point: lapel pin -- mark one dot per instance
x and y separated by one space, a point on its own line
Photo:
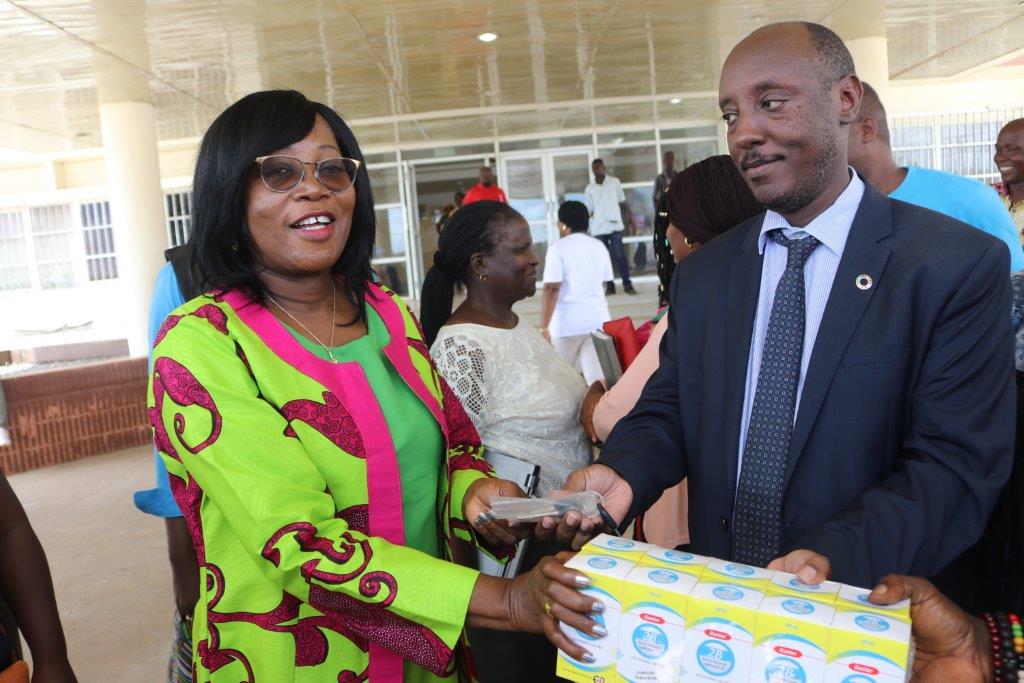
864 282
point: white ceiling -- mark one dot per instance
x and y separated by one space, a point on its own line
387 64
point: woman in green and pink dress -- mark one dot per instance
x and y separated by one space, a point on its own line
323 466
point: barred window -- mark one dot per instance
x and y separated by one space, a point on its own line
179 216
98 235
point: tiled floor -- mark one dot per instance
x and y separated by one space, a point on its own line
108 561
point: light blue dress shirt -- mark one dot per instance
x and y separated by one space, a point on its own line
831 228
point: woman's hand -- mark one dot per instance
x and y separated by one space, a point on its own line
590 402
476 509
548 594
951 645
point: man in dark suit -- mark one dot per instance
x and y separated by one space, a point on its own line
836 382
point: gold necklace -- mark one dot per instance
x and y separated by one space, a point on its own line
334 320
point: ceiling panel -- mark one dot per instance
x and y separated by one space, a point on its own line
374 59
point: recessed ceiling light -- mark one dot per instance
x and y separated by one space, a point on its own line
487 37
675 100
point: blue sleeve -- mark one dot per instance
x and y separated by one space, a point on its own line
166 297
989 214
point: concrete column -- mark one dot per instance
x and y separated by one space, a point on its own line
137 210
871 57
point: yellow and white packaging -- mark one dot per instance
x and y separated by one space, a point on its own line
867 647
720 632
853 598
625 548
735 573
677 560
606 573
791 640
784 584
652 627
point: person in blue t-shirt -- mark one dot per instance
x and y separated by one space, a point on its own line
965 199
168 295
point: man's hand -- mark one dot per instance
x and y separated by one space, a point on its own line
951 645
809 566
590 402
576 529
476 509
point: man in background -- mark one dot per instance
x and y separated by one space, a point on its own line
1009 160
966 199
664 179
606 202
485 190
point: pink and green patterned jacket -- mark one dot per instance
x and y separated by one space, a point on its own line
283 467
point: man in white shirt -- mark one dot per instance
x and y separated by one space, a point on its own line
606 201
573 304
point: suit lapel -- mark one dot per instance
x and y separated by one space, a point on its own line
846 304
741 307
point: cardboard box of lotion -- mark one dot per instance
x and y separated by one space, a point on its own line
606 574
790 640
867 647
719 632
723 571
789 585
625 548
677 560
853 598
653 623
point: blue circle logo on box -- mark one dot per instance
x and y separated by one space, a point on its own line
784 670
597 619
676 556
863 598
798 606
727 593
715 658
857 678
601 562
650 641
801 586
620 544
872 623
663 576
739 570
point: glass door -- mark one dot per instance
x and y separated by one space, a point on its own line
538 183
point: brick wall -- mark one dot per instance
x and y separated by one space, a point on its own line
72 413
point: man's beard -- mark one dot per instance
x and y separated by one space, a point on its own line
809 189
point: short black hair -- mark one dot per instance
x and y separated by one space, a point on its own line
598 160
575 215
833 56
224 254
871 105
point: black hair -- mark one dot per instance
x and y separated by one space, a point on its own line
225 256
598 160
871 105
834 57
666 265
470 230
708 198
575 215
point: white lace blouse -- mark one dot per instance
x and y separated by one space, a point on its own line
522 397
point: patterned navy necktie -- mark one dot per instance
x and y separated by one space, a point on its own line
757 533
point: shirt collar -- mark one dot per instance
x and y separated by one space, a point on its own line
831 227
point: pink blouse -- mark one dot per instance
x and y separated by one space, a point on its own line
665 523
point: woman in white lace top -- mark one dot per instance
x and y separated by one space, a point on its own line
522 397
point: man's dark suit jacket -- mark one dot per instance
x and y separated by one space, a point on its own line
905 429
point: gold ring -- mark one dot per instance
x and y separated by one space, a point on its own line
547 607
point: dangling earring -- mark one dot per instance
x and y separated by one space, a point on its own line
234 246
483 278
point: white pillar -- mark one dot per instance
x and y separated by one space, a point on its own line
137 211
871 57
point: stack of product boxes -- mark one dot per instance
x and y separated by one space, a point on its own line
673 616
